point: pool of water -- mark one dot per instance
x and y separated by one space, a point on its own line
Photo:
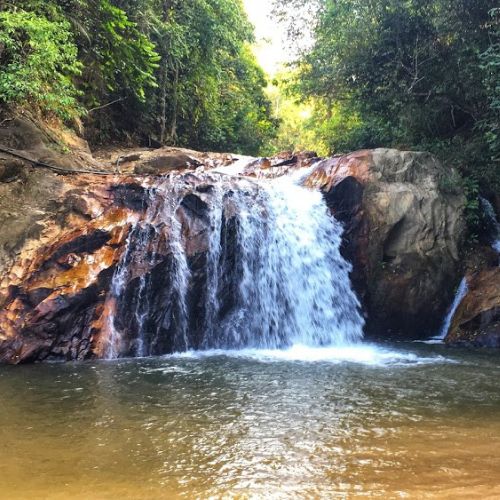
405 420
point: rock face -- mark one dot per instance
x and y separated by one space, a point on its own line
67 240
403 233
65 287
477 319
64 236
22 134
56 265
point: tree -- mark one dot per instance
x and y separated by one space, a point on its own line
490 60
171 71
38 58
407 73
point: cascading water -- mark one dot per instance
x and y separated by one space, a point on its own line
232 264
462 289
459 295
491 216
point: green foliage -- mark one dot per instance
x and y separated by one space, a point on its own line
416 74
211 92
297 131
490 125
38 58
118 58
169 70
472 208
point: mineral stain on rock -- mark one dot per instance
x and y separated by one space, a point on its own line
64 238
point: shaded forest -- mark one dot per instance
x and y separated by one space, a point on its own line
167 71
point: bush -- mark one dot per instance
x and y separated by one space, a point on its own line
39 60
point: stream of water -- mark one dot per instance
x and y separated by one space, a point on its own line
275 276
457 299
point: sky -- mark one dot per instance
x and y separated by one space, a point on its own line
269 49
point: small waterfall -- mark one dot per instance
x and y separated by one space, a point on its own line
462 288
230 264
491 216
459 295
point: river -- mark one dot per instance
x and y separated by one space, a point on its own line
389 421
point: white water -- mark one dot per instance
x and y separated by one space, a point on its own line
492 217
289 285
293 283
303 261
360 353
159 220
459 295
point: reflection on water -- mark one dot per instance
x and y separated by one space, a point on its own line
380 422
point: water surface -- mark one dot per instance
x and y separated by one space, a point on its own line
405 420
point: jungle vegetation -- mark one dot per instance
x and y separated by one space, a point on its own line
166 71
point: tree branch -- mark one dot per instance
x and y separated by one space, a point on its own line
106 105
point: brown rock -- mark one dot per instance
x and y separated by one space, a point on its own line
166 163
477 319
403 233
55 292
11 170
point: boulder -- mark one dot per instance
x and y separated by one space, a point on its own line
476 321
166 163
403 233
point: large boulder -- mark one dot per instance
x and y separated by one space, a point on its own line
404 228
476 321
165 163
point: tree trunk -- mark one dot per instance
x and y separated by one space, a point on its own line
175 101
163 103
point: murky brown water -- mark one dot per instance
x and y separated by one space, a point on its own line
416 426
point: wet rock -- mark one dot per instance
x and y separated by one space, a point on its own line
196 206
130 195
56 297
403 234
477 319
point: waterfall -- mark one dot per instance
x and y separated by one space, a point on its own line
230 264
459 295
462 288
491 216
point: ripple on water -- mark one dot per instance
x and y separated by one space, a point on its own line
410 420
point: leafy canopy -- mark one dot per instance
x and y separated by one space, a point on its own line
38 58
171 71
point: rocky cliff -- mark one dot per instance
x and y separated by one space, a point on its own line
404 231
65 234
65 228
